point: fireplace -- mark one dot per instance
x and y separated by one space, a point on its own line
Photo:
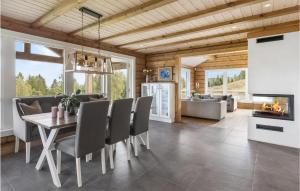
274 106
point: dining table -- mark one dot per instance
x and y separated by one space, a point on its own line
44 122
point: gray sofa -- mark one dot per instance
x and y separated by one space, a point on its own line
204 108
28 132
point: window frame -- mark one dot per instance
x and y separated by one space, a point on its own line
225 80
188 82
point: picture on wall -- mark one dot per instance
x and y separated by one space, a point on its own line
165 74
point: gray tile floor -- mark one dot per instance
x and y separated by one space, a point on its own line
195 155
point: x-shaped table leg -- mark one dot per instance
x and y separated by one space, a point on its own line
46 154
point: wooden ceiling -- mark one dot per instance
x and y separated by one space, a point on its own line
156 26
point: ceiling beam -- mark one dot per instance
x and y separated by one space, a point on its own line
274 30
224 47
24 27
189 17
258 17
148 6
282 27
62 8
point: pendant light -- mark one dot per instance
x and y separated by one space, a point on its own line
86 62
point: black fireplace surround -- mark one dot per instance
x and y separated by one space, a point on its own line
287 115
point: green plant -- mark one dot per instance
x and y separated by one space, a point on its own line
70 103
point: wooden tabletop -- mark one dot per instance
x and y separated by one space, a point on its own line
45 120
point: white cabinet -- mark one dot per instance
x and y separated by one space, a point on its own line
163 104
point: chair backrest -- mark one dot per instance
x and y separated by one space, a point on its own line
119 122
91 127
141 115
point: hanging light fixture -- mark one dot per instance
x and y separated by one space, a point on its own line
86 62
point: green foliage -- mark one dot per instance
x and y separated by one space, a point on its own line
36 85
96 84
215 81
70 103
118 88
22 87
77 86
219 79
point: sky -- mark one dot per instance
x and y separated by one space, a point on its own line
49 71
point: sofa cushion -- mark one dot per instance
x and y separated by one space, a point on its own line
34 108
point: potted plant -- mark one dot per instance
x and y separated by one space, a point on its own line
71 103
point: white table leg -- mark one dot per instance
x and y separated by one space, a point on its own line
46 154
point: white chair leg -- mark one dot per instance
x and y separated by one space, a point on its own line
111 160
27 148
135 146
103 161
17 144
78 171
128 148
58 161
143 142
147 140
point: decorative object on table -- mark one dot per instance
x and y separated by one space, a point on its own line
54 111
61 111
147 72
71 103
83 62
165 74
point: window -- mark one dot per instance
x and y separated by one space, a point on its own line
80 82
38 75
215 82
119 84
229 81
185 81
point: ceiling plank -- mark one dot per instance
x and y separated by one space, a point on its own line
224 47
59 10
148 6
282 27
24 27
286 11
189 17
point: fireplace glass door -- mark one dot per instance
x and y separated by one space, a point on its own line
275 106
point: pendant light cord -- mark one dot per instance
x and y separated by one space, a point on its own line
99 36
81 33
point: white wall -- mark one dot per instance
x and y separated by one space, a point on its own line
274 68
7 79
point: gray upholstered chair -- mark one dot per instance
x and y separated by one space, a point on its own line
140 123
28 132
119 126
89 137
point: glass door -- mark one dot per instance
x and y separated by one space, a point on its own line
119 81
154 91
164 100
145 90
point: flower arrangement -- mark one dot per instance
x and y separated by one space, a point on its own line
147 72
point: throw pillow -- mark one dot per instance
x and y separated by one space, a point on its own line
97 99
34 108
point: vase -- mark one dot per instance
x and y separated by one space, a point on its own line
147 78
